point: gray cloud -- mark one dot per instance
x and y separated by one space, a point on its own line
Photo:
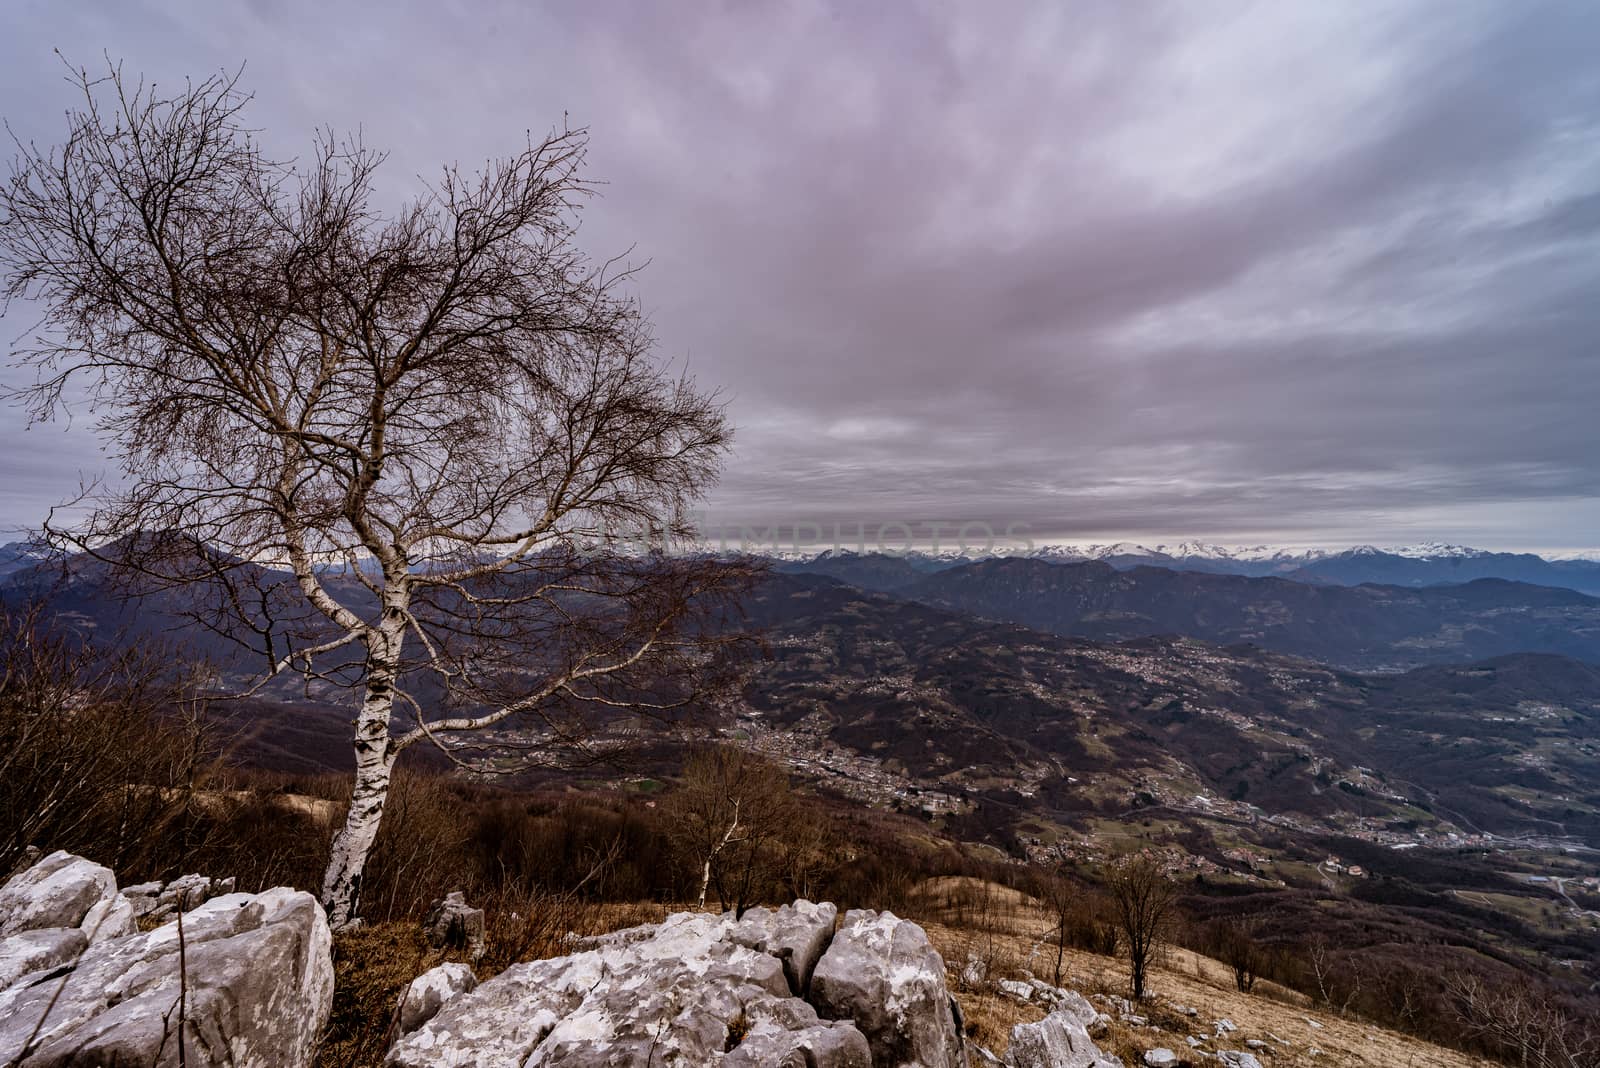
1301 272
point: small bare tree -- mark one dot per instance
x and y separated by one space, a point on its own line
1144 897
731 807
395 451
808 851
1234 941
1062 900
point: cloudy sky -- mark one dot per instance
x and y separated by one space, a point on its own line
1305 272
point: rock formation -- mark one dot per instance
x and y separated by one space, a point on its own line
452 923
700 990
881 972
425 995
1060 1040
250 979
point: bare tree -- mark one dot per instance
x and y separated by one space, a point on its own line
808 851
1144 898
397 450
1339 977
1520 1024
731 807
1063 900
1234 941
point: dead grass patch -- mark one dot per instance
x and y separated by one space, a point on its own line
1006 930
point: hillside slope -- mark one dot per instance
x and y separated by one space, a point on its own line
1361 627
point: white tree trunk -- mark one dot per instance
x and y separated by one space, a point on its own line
375 756
705 881
716 851
341 886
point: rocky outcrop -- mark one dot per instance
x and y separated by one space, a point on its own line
59 891
190 891
882 972
795 934
1237 1059
1059 1040
451 923
162 901
1056 999
253 973
698 990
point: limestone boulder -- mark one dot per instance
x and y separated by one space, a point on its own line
796 934
1057 1041
425 995
257 987
58 891
451 923
882 973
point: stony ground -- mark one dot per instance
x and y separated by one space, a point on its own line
1002 929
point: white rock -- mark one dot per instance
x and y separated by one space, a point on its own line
675 994
58 891
1012 988
796 934
973 972
1057 1041
1160 1058
425 995
111 917
32 951
144 897
259 988
881 972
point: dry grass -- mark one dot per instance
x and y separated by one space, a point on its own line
1004 929
371 965
965 919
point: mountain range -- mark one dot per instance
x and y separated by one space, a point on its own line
1366 627
1017 720
1428 564
1007 691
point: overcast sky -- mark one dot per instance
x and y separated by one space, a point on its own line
1305 272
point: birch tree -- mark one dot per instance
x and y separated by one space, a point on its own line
731 807
394 449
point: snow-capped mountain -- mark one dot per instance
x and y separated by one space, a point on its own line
1430 563
1425 564
1198 550
16 555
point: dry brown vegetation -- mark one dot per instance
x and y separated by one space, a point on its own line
547 862
1009 931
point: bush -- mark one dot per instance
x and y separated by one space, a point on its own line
100 755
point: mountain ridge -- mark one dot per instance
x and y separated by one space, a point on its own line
1428 564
